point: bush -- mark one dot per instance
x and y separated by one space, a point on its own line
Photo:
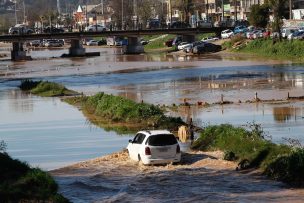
102 108
293 49
19 182
250 148
46 89
288 168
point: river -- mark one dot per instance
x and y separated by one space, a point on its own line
49 133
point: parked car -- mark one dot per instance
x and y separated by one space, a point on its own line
296 35
95 28
52 43
51 29
182 45
226 34
92 43
169 42
177 40
240 29
20 29
206 47
204 24
189 48
102 42
154 147
179 24
35 43
287 31
144 42
209 39
257 34
153 24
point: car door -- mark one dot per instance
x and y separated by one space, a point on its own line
135 145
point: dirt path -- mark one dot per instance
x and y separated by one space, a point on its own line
202 177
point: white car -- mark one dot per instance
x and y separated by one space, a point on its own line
92 43
209 39
94 28
183 45
154 147
226 34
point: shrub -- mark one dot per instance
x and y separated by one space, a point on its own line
20 183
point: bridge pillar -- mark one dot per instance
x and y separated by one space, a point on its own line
134 46
76 48
18 53
188 38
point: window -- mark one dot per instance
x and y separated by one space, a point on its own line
162 140
139 138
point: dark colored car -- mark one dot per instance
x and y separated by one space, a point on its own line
179 24
169 42
102 42
177 40
206 47
53 30
153 24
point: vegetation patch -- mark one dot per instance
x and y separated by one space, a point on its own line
46 89
21 183
253 150
286 49
158 43
108 110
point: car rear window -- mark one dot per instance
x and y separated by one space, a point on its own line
162 140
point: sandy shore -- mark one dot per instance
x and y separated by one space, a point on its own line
201 177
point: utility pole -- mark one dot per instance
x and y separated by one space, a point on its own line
122 15
207 8
24 20
290 9
235 10
16 12
223 12
170 10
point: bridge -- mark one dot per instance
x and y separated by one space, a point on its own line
134 46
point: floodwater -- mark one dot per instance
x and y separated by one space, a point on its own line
49 133
28 123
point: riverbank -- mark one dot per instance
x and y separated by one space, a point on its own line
268 48
202 176
21 183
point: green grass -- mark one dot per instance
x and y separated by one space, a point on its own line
280 162
20 183
45 88
287 49
127 113
159 43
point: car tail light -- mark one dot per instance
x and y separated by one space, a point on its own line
147 151
177 149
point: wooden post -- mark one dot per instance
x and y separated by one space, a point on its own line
288 95
256 96
222 98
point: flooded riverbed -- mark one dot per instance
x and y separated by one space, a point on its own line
49 133
153 78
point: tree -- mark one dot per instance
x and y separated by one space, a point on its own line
186 7
259 15
278 8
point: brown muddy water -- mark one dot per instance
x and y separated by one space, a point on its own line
51 134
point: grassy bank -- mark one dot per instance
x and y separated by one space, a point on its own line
21 183
252 150
286 49
158 43
113 111
45 88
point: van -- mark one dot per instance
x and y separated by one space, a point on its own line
288 31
